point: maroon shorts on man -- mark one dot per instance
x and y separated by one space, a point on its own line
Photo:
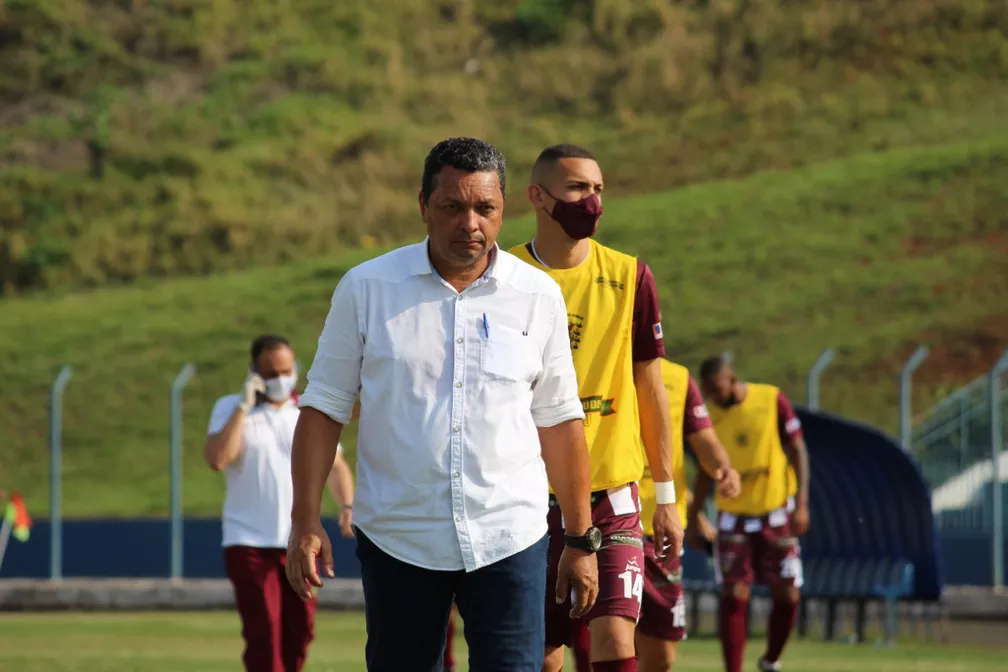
616 513
277 624
663 609
758 550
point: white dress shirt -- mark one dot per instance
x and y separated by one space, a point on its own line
257 506
452 387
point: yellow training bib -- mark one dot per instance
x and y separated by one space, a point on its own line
676 379
749 433
600 300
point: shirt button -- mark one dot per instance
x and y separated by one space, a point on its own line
458 519
458 340
458 384
456 428
456 474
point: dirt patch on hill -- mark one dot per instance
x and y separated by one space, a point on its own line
957 355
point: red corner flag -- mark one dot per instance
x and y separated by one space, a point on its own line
17 515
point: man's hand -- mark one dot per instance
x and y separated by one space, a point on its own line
800 520
699 533
668 531
253 384
308 542
729 483
346 522
577 573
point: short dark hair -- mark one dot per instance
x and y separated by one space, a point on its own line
711 367
266 342
469 154
549 156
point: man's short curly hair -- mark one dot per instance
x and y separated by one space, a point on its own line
467 154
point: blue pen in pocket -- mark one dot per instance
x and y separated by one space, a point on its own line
486 327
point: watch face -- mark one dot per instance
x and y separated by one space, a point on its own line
595 538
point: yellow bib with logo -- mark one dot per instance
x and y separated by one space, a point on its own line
600 299
676 379
749 433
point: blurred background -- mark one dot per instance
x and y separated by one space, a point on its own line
812 182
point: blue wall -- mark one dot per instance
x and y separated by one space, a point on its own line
967 557
140 549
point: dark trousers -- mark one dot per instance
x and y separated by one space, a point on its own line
277 624
407 609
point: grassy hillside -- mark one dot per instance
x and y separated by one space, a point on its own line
868 254
239 133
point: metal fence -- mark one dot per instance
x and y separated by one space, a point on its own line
956 442
960 445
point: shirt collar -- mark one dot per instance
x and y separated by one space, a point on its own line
420 263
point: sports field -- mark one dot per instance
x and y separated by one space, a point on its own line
210 641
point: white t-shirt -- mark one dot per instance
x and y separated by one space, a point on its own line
260 494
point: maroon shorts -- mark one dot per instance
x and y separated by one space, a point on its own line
663 610
757 550
616 513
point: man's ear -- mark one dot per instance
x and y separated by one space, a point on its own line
536 196
423 203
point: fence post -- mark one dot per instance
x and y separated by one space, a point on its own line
906 376
997 438
56 472
175 458
825 359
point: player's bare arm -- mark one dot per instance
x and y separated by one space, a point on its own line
797 455
313 454
656 433
696 531
713 459
565 454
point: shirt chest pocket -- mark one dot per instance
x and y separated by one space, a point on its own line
509 356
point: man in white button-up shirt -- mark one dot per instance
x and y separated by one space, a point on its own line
460 356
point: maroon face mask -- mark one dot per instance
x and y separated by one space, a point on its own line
578 219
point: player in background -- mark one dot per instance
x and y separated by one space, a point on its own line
662 623
615 331
757 539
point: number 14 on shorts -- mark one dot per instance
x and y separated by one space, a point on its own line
633 583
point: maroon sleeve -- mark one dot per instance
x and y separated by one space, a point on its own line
696 416
648 342
788 424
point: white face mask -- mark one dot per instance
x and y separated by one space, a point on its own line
279 389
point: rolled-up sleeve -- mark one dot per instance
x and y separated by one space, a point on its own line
334 377
555 397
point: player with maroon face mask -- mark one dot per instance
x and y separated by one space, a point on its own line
614 324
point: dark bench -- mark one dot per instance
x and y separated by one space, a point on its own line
831 580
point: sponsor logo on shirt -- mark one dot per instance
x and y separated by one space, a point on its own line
700 411
615 284
749 474
597 404
656 330
792 425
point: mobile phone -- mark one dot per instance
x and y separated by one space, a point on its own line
260 397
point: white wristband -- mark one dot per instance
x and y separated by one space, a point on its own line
665 492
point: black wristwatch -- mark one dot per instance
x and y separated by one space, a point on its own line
590 541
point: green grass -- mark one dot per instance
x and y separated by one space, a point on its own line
244 133
206 642
869 254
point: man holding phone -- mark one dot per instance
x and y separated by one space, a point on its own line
249 439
